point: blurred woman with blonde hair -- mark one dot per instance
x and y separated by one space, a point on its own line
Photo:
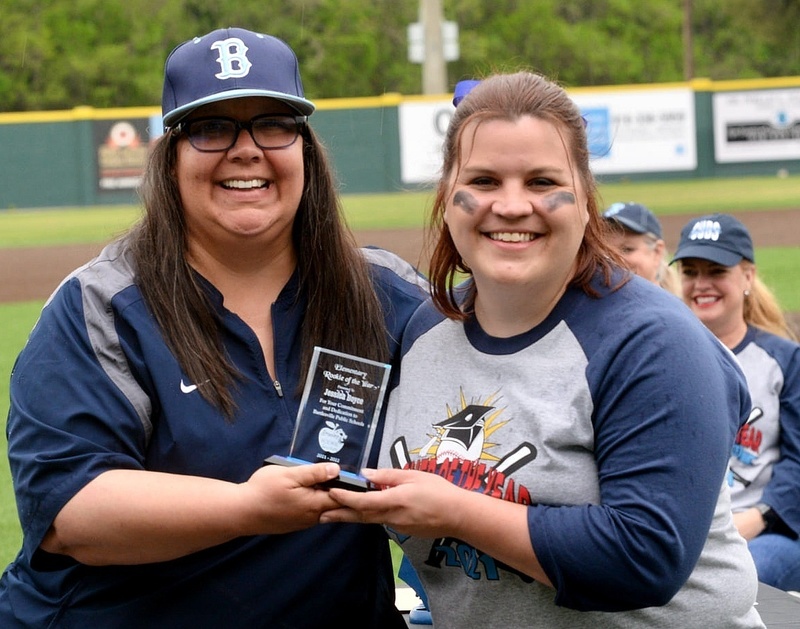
636 234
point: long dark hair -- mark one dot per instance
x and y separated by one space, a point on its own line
507 97
343 311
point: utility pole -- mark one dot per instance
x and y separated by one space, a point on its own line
688 45
434 68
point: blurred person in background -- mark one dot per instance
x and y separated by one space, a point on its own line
639 239
719 282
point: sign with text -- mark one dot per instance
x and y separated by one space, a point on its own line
634 131
336 421
629 131
758 125
122 149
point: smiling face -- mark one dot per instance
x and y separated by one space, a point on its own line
642 252
245 195
516 211
716 293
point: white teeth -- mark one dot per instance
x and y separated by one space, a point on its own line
244 184
512 236
705 300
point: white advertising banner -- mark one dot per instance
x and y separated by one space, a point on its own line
629 131
422 128
639 131
762 125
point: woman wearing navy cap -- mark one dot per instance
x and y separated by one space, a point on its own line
639 240
716 261
162 374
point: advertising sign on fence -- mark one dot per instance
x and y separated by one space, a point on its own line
630 131
640 130
122 147
762 125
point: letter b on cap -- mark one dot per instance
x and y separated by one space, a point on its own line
232 58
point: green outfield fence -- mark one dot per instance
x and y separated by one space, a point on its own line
86 156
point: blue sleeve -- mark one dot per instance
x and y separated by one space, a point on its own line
400 289
67 421
667 402
782 492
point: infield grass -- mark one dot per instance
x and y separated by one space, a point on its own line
53 226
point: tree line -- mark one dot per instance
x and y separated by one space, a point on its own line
59 54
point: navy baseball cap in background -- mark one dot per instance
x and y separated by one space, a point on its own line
635 217
462 89
719 238
230 63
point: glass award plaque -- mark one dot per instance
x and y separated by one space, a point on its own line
336 421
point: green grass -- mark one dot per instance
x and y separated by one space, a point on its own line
28 228
778 268
20 228
704 196
387 211
16 321
62 226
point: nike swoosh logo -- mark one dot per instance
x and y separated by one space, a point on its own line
187 388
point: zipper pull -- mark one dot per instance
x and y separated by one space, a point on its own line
278 388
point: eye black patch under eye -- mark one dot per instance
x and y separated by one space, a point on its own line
557 199
465 201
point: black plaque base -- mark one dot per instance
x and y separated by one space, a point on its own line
345 480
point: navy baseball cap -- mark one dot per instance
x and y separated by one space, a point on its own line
635 217
230 63
716 237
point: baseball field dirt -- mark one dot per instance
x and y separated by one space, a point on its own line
33 273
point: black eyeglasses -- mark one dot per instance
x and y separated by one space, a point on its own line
269 131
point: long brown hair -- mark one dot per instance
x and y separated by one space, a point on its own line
343 312
508 97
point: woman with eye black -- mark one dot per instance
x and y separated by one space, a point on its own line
555 451
720 284
162 373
